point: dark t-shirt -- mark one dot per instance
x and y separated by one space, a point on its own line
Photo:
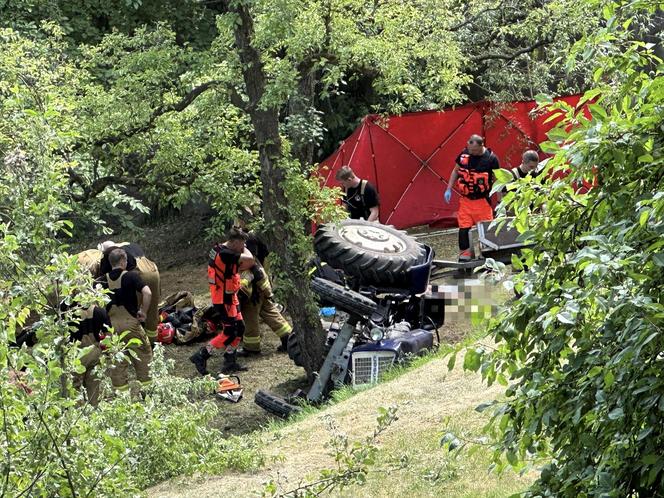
133 251
95 325
130 285
359 205
485 163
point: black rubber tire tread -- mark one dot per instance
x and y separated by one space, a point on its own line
371 267
345 299
294 350
274 404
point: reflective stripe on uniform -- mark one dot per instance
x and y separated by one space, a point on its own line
151 333
284 330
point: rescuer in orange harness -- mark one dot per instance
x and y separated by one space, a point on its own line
472 178
226 262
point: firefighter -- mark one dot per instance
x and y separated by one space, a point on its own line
360 196
96 261
94 322
226 262
126 315
257 303
472 178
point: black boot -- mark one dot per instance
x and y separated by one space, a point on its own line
284 345
199 359
231 365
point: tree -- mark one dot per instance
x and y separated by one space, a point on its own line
581 347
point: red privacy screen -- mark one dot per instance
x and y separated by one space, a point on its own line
409 158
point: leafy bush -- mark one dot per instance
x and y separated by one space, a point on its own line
582 346
51 442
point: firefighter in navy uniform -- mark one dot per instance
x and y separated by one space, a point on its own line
472 178
226 262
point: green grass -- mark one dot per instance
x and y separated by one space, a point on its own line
415 465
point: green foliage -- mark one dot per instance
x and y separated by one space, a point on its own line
582 345
53 443
355 460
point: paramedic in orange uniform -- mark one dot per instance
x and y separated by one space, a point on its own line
472 178
226 261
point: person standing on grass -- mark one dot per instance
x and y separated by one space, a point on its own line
127 316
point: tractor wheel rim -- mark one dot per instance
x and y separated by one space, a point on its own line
373 238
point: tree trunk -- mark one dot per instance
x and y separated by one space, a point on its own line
278 219
301 150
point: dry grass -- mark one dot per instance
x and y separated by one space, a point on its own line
425 397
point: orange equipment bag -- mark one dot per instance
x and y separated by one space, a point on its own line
229 387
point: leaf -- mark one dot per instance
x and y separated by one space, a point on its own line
472 360
483 406
503 176
566 318
616 414
549 147
643 218
452 361
658 259
609 378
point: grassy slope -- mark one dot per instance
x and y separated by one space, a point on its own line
430 400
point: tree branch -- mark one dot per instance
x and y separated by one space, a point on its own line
97 186
179 106
457 27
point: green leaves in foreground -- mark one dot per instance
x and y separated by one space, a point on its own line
582 346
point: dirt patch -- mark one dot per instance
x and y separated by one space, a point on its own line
271 370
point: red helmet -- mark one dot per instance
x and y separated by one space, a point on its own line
165 333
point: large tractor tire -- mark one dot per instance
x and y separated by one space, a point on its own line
376 254
275 405
347 300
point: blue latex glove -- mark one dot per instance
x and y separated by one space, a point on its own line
448 196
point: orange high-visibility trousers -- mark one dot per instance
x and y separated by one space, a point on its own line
472 211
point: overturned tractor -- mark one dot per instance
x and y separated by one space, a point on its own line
382 315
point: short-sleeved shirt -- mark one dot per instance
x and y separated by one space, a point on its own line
133 251
485 163
126 295
358 204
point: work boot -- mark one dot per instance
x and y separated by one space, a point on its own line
231 365
199 359
284 345
245 353
465 255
